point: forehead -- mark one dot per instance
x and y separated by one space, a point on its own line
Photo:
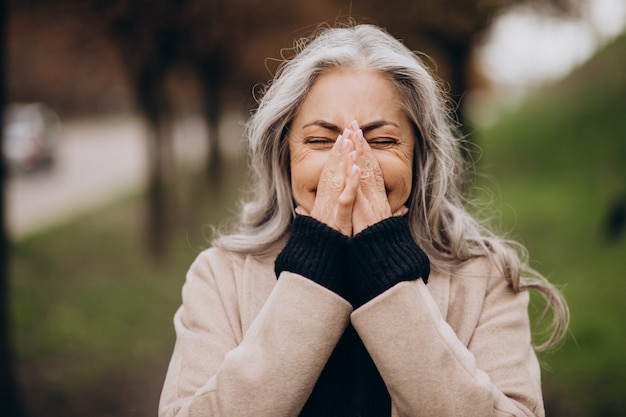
349 94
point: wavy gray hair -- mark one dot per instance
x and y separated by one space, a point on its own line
439 222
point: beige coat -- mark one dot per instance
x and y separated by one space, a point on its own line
252 346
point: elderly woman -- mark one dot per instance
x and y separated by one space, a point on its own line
356 283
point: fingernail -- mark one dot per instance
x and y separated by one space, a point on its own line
344 143
359 134
353 155
354 170
354 125
346 132
338 141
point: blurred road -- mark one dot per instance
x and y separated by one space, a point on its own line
95 162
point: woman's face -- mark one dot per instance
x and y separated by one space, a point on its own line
336 99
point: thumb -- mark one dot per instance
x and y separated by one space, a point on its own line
346 201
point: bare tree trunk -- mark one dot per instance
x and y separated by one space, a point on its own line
149 47
457 54
10 404
210 71
157 214
150 93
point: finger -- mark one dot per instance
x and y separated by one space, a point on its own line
332 184
371 204
333 173
346 201
371 174
345 148
363 152
338 148
335 151
357 140
366 150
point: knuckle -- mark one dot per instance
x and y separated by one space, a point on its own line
344 201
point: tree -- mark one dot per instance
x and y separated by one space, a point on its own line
9 400
206 38
449 30
224 43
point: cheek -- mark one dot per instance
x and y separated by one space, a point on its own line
398 178
305 175
398 175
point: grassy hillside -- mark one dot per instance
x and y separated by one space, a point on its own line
557 169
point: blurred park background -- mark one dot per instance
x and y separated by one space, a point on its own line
123 148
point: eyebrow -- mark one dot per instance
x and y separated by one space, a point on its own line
365 128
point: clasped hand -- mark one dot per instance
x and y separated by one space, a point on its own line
351 192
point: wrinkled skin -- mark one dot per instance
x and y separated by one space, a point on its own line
351 147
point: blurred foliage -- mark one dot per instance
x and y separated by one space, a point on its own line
556 169
93 316
86 56
173 57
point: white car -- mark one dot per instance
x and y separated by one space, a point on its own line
29 137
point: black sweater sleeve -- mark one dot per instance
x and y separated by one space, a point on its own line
383 255
358 268
317 252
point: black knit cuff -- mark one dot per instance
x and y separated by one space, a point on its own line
316 251
382 256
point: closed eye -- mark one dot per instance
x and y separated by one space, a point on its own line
320 142
381 142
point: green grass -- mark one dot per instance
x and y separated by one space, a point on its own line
80 289
556 166
89 303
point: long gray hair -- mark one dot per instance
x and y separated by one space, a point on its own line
440 224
